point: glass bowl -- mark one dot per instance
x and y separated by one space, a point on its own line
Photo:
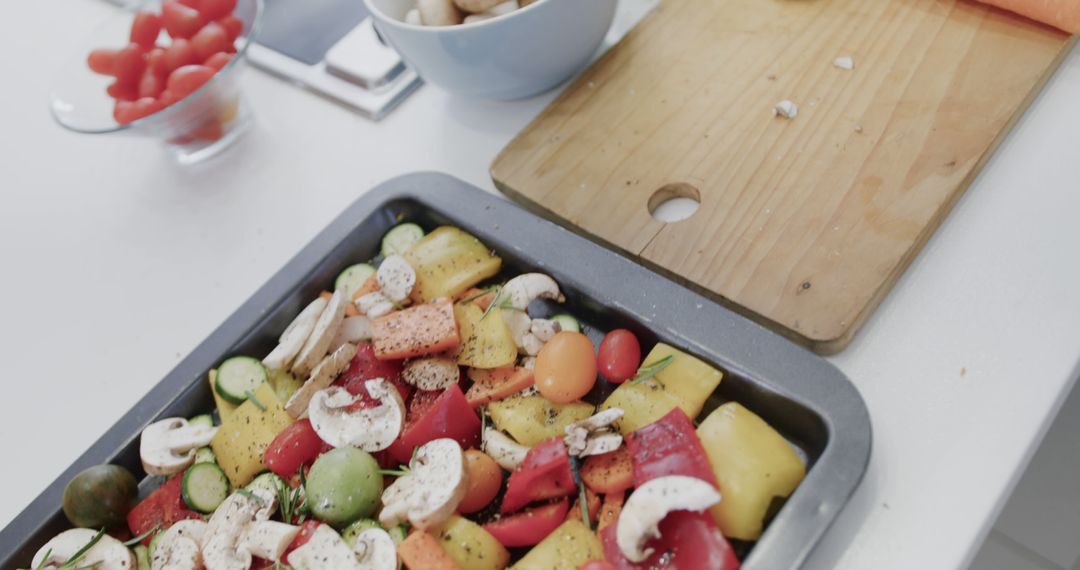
192 129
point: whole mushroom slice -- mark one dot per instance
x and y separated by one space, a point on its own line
519 324
432 373
178 548
106 554
223 542
370 429
268 539
296 334
322 376
601 443
439 12
168 446
430 493
503 449
396 278
650 503
373 550
522 290
318 343
374 305
353 330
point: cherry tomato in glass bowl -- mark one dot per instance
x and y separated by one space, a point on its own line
619 356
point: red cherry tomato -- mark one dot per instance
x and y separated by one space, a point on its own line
218 61
234 26
129 111
129 64
295 446
102 61
179 54
181 21
303 537
145 29
619 356
214 9
155 61
190 3
151 84
210 40
598 565
188 79
123 91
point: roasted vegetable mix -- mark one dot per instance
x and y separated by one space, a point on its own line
423 415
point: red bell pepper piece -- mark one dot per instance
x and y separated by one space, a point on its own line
364 367
688 541
668 446
161 509
528 527
447 415
297 445
544 474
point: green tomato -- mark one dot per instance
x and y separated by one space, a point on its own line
344 485
100 496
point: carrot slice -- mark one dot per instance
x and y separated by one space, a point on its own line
609 473
422 551
369 286
424 329
496 384
1062 14
350 309
609 512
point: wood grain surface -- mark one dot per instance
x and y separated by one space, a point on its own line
804 224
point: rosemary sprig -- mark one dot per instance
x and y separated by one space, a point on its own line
255 401
293 502
584 500
479 295
649 370
494 303
401 471
142 536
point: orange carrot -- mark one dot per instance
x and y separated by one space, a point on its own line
608 473
369 286
592 499
609 513
422 551
1062 14
496 384
478 297
419 330
350 309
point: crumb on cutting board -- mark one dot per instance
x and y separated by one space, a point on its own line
844 62
786 109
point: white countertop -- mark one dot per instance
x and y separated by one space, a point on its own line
117 262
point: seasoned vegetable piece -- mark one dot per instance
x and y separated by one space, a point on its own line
401 238
496 384
161 508
486 342
241 441
532 419
530 526
753 465
669 446
610 509
364 367
344 486
224 408
688 541
650 503
421 550
101 496
238 376
447 262
204 487
434 415
416 331
484 479
567 548
470 546
684 382
592 501
609 472
285 384
428 494
619 356
545 474
295 446
566 367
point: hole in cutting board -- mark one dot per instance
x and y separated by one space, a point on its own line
674 202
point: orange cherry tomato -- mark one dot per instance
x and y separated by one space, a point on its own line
566 367
484 481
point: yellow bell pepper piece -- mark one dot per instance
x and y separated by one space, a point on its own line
447 262
470 546
533 419
568 547
486 342
753 464
242 439
284 383
687 382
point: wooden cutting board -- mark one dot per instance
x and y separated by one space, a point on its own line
805 224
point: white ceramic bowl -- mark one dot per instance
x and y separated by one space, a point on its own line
513 56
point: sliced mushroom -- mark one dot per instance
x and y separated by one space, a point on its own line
519 324
544 329
396 278
268 539
168 446
439 12
353 330
476 6
503 449
371 429
593 435
296 334
529 362
601 443
326 549
531 344
432 373
178 547
375 550
374 305
599 420
651 502
524 289
223 542
429 494
107 554
323 376
322 334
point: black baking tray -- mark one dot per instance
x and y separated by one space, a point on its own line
807 399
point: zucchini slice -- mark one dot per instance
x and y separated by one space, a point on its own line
204 487
239 376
